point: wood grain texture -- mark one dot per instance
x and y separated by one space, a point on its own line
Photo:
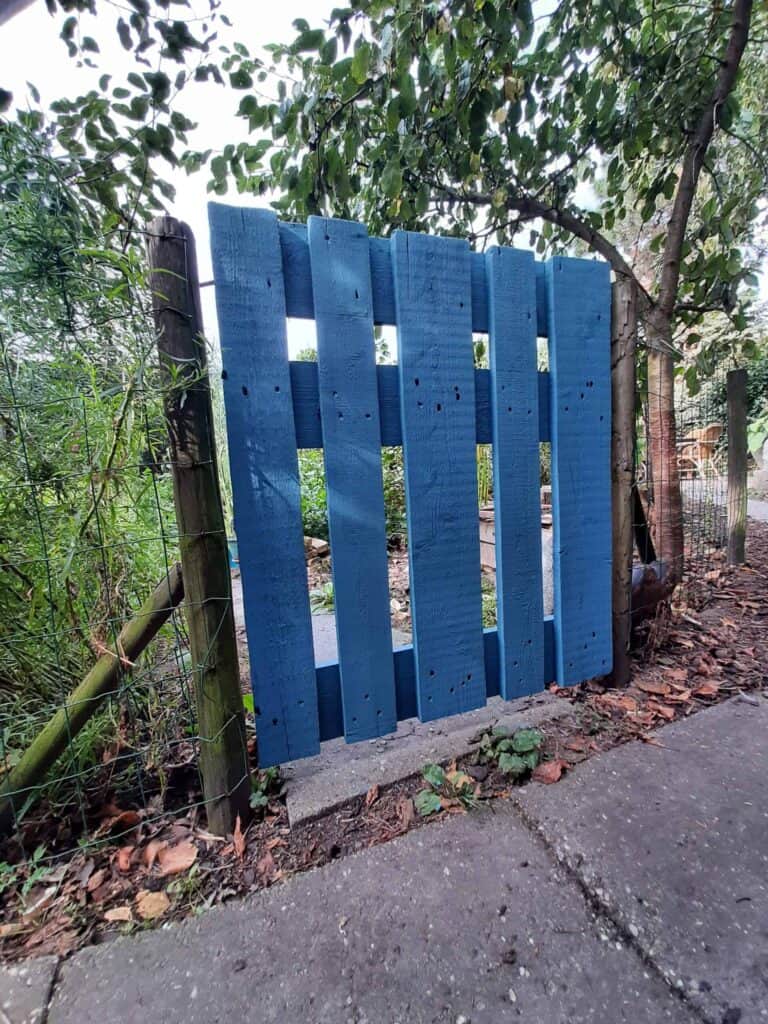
437 388
200 519
349 408
250 300
298 287
579 317
306 405
329 686
517 505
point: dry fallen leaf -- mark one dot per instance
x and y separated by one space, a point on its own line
265 865
116 914
122 821
678 675
175 859
550 771
372 795
151 905
123 858
238 839
95 880
406 812
578 744
658 689
707 690
151 850
662 709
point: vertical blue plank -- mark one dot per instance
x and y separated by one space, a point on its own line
579 303
437 391
515 425
349 409
262 452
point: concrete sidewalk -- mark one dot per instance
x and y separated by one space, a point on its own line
634 890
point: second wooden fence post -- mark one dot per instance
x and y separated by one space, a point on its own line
623 344
737 465
200 518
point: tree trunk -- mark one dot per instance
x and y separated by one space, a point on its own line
667 498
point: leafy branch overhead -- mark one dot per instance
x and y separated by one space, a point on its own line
477 118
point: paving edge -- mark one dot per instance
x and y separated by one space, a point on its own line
319 785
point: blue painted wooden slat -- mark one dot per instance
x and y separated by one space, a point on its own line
349 407
306 405
514 408
329 686
298 287
579 302
437 388
262 450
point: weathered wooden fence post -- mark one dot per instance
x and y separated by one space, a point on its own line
737 465
200 518
623 342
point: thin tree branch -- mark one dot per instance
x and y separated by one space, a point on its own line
693 161
529 208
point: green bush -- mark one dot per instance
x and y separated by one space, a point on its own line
314 500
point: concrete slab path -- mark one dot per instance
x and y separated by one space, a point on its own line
468 920
672 841
634 890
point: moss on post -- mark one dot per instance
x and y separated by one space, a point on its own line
200 518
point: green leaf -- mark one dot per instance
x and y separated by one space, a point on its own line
434 775
240 79
513 764
360 63
392 179
248 702
526 740
310 40
427 802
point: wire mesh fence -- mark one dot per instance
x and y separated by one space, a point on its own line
697 450
88 529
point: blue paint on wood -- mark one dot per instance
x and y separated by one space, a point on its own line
579 303
329 686
298 285
349 407
437 388
262 451
514 406
306 405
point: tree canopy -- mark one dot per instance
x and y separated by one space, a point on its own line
480 118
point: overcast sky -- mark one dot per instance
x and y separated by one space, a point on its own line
32 51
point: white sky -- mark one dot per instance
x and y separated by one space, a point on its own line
32 51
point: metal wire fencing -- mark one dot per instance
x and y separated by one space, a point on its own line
88 530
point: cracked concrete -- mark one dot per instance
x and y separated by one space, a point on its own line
634 890
25 990
671 841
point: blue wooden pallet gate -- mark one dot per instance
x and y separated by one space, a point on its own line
438 407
